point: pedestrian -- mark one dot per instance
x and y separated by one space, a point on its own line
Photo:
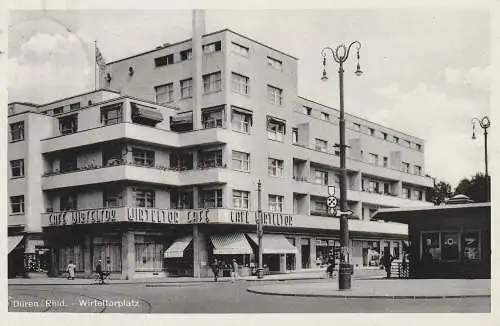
234 272
386 261
98 270
215 269
71 270
331 266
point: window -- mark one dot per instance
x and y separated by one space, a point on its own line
111 114
241 199
321 145
431 244
470 246
17 168
165 60
275 129
384 135
241 161
240 84
181 199
186 55
212 47
17 131
373 158
210 198
143 157
212 117
321 177
357 126
371 131
164 93
112 198
275 167
395 139
112 156
68 124
148 253
275 63
295 135
212 82
68 202
210 159
449 246
370 185
406 192
318 206
407 143
74 106
144 197
386 161
240 49
68 163
274 95
186 88
306 110
325 116
241 120
58 110
387 188
417 170
17 204
418 147
405 167
418 194
275 203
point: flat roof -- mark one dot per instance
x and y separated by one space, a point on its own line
159 48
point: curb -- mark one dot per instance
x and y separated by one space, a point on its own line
370 296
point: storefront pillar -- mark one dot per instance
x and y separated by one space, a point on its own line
128 255
87 262
298 256
200 253
312 245
283 263
54 263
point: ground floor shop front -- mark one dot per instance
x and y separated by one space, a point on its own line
134 251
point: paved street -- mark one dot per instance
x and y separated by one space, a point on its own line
213 298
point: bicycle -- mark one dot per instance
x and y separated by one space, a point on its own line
105 276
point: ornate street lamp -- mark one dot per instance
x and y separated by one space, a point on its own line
340 55
485 123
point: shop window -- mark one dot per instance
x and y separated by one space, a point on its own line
111 114
148 254
144 197
72 253
241 199
471 246
210 198
431 244
449 246
109 251
17 131
17 204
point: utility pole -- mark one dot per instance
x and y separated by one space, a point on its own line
260 231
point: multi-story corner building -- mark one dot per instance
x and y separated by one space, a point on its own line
157 173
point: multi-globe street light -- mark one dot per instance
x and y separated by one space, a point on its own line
340 55
484 123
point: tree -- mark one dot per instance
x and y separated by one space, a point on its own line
475 188
440 193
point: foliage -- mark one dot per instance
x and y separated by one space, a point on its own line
440 193
474 188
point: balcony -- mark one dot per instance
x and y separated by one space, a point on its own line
384 199
142 215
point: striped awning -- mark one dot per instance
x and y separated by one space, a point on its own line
274 244
176 250
14 241
231 244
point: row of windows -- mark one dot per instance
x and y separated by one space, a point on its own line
245 51
72 107
186 54
368 130
213 83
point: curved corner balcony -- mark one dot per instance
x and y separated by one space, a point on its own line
126 170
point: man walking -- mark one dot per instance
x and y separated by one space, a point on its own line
215 269
234 272
98 270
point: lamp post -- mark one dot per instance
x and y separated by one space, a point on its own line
260 229
484 123
340 55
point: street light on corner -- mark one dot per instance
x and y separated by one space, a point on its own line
484 123
340 55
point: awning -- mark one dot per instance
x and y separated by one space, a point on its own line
176 250
231 244
14 242
145 113
181 118
274 244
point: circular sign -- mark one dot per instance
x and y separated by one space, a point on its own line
331 202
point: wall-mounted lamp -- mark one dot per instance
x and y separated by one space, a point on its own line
130 71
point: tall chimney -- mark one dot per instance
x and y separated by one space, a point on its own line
198 31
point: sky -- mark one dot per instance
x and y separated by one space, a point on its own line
426 71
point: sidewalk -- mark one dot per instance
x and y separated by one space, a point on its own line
302 275
384 289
